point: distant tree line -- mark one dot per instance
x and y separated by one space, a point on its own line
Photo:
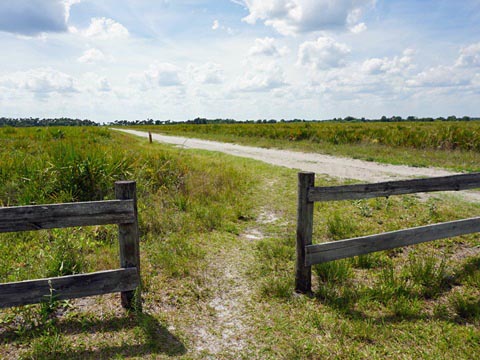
63 121
197 121
200 121
27 122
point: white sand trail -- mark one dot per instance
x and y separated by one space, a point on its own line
335 166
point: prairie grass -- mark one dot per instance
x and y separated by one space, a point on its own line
181 197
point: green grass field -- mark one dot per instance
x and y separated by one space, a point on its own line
217 252
454 145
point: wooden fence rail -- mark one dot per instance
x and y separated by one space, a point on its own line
125 280
308 254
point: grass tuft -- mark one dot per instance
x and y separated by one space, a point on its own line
340 227
428 273
466 304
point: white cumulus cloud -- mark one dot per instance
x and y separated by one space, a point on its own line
94 83
217 26
266 46
41 81
393 65
296 16
157 75
462 74
358 28
209 73
260 77
469 55
93 55
322 54
68 5
105 28
440 76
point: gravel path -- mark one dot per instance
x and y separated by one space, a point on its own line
340 167
335 166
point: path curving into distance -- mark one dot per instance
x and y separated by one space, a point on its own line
335 166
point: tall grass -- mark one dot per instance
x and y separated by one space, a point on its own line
179 195
38 165
418 135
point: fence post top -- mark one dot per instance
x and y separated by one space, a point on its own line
125 182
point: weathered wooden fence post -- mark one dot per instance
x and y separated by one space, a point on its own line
303 275
128 239
150 137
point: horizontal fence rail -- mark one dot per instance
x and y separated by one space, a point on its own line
38 217
366 191
68 287
126 280
309 254
341 249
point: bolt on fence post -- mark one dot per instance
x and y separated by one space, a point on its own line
303 274
128 239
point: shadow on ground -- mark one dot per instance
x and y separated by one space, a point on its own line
153 338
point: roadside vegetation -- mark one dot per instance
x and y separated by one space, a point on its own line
453 144
218 253
183 199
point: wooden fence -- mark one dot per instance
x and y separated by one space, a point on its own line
309 254
125 280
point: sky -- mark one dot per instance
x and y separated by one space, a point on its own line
107 60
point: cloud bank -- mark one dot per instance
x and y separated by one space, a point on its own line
32 17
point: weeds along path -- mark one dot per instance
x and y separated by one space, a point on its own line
339 167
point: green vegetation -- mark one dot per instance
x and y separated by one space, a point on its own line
452 144
29 122
382 305
183 198
218 254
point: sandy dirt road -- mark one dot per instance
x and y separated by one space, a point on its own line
340 167
335 166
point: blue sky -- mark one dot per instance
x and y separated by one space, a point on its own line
242 59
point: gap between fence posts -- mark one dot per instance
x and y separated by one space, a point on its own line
128 239
303 273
